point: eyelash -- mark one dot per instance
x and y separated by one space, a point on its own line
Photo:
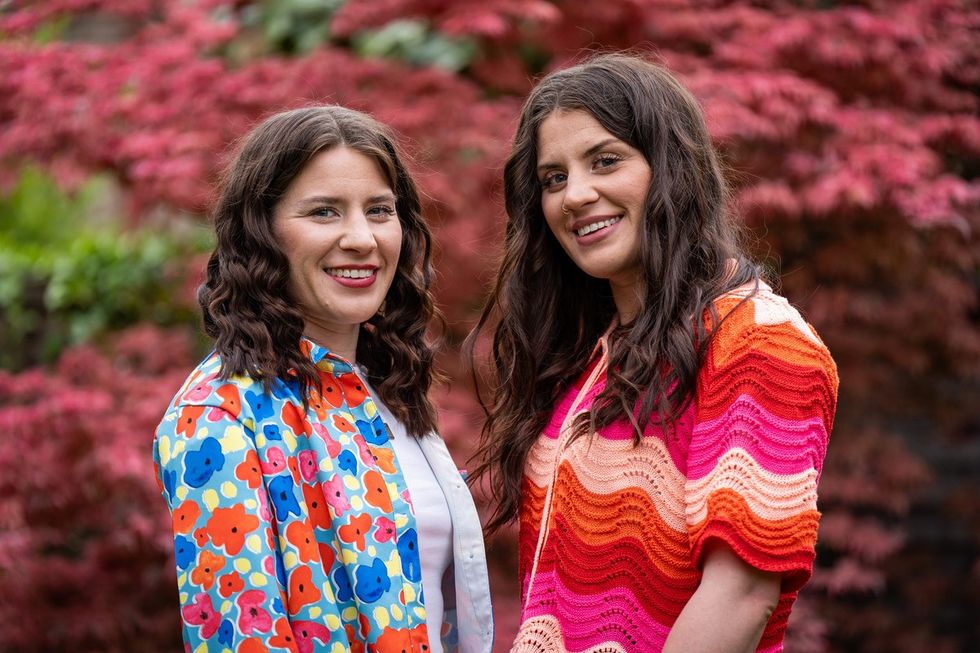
321 212
608 159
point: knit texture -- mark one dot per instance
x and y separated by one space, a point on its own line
612 533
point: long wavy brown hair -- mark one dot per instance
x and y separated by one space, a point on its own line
245 298
548 314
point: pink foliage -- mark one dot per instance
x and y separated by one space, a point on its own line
853 136
84 536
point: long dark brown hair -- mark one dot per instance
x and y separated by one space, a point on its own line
549 314
245 298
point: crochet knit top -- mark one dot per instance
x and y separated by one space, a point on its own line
612 533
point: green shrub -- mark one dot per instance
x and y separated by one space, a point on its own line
69 274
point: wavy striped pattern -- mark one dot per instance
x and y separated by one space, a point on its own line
612 533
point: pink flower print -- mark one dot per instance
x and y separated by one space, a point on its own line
275 461
362 448
307 465
384 529
407 498
201 390
335 494
306 631
333 447
252 616
216 414
203 614
264 506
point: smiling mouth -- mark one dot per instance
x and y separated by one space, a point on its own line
596 226
350 273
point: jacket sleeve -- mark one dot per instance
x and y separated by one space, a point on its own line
230 580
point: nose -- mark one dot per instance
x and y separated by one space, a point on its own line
579 191
358 236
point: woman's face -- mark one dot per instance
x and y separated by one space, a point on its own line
338 227
593 192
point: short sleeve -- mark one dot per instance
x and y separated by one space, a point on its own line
765 402
230 582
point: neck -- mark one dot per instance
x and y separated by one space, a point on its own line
342 342
627 297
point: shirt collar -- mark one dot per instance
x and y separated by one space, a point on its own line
324 359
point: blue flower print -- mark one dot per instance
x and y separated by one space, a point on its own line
283 497
169 482
370 583
200 465
272 432
374 432
260 403
342 582
347 461
226 633
408 549
185 550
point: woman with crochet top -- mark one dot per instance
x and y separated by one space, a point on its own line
660 415
314 506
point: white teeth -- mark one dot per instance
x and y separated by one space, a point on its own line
348 273
596 226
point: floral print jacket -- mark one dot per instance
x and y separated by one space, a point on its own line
294 528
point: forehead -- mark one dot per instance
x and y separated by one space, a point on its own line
339 170
569 133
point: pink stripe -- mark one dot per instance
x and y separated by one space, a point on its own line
580 615
779 445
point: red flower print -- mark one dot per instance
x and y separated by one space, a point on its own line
185 516
307 465
252 616
230 400
293 468
376 491
230 583
331 391
252 645
250 470
356 530
275 461
327 555
354 640
187 420
318 405
300 534
316 505
294 419
229 526
302 591
201 536
207 566
385 458
202 614
343 425
354 390
284 636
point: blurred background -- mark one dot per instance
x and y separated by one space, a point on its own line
852 136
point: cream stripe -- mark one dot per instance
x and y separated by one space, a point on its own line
770 496
542 634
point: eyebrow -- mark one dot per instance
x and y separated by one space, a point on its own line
544 167
324 199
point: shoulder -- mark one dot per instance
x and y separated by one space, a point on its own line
763 323
206 391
